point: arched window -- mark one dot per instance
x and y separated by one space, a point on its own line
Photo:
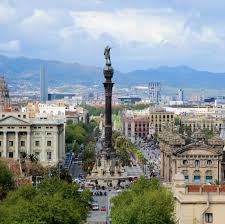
185 162
197 163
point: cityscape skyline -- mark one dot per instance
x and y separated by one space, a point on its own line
150 34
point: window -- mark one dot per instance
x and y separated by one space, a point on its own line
185 162
10 143
209 162
197 163
0 143
0 154
37 143
186 179
209 217
209 179
10 154
49 155
49 133
22 143
197 179
49 143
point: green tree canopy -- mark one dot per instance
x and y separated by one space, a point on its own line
6 177
146 202
53 202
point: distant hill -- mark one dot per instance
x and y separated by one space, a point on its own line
58 72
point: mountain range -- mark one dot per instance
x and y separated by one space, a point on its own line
58 73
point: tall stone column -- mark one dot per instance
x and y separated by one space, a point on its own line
4 144
28 144
108 85
16 145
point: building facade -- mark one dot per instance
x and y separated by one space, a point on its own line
145 123
44 138
196 122
4 95
154 89
198 159
44 86
198 204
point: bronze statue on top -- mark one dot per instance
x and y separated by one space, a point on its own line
107 55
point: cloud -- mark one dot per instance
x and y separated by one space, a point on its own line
6 13
152 28
10 46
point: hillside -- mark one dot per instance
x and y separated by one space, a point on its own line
61 72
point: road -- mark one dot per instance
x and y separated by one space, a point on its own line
101 216
76 167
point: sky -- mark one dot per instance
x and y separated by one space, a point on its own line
142 33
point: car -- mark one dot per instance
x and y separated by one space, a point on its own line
103 209
95 207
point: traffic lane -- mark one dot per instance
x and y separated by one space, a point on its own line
76 169
99 216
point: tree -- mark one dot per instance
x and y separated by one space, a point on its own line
52 202
89 156
145 203
6 177
6 180
207 132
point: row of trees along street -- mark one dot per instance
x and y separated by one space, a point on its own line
83 136
125 149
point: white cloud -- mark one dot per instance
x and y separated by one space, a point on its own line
38 20
149 27
10 46
6 13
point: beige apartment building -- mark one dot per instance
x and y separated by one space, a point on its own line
40 136
201 122
198 204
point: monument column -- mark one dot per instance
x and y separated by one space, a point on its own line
108 85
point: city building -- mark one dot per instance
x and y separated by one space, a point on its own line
44 86
4 95
196 122
154 89
60 96
44 138
197 158
146 122
129 100
180 95
198 203
77 114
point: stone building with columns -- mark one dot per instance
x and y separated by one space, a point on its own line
42 137
197 158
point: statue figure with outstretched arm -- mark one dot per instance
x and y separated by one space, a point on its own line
107 55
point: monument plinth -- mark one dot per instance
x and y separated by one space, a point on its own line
108 170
